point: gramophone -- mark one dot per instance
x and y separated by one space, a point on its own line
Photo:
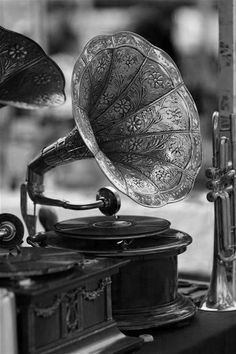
135 116
51 300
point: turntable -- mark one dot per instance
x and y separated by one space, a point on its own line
135 116
144 292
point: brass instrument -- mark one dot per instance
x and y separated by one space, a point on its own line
221 295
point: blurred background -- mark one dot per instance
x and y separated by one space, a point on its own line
186 29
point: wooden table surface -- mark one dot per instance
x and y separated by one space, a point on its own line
207 333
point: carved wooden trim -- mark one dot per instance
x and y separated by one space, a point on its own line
92 295
46 312
89 295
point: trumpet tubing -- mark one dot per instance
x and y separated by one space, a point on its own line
221 295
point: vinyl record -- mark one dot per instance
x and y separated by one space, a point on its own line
102 227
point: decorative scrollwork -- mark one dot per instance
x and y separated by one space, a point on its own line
92 295
70 298
72 309
46 312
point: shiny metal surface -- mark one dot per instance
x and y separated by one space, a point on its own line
134 114
28 77
138 119
221 293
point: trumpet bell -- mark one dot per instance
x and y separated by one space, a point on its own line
137 118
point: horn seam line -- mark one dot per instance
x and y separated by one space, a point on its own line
122 92
183 170
95 155
26 66
147 134
143 108
143 174
161 132
105 85
184 173
124 179
161 192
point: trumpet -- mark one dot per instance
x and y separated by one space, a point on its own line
221 295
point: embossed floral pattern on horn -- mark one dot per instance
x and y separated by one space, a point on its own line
129 97
28 77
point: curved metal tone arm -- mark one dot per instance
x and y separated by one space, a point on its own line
64 150
35 190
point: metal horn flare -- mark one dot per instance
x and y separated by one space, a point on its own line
135 116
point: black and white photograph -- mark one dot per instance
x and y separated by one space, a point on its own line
117 171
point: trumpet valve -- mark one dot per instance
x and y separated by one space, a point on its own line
229 188
230 174
212 196
213 185
212 172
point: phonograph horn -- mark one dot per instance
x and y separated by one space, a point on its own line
135 116
28 77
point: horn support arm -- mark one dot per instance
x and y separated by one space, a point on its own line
65 150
